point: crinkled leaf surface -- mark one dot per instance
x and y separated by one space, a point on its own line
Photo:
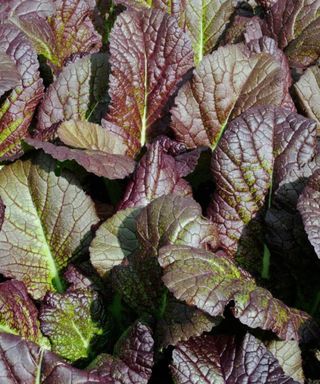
46 217
225 84
70 96
19 8
170 219
157 174
174 219
24 362
204 21
150 55
133 360
9 75
226 360
288 354
309 208
18 108
67 320
258 43
67 31
263 144
73 30
295 24
95 148
115 240
18 315
308 90
210 282
181 321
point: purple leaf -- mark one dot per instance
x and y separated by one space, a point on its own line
295 24
149 57
9 75
309 208
69 96
226 359
262 147
289 357
181 321
133 360
225 84
98 162
17 8
157 174
308 90
19 315
170 219
205 22
17 110
210 282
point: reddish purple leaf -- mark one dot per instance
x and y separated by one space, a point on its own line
211 282
277 144
157 174
226 359
98 162
309 207
18 108
19 315
295 24
9 75
69 96
224 85
149 57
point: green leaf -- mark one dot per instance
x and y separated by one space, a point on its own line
68 322
46 218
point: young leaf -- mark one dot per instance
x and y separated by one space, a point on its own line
308 90
263 145
225 84
18 108
226 359
68 321
309 207
9 75
210 282
19 316
157 174
149 57
46 217
70 96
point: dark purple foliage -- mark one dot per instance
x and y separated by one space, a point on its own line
159 191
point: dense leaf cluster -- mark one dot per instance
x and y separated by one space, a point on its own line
159 191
